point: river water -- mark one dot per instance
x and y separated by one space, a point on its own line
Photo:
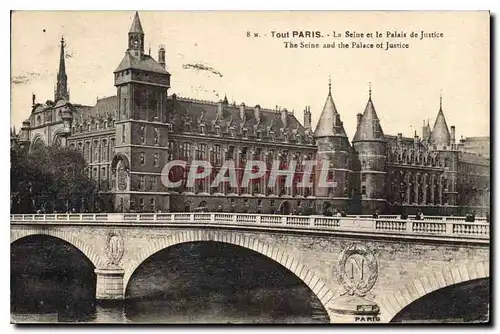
190 283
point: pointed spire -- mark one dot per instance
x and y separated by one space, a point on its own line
369 90
61 89
225 99
136 37
440 134
329 123
369 125
62 63
136 26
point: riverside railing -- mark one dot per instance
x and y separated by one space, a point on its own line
437 227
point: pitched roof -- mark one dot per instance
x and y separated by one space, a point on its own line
329 123
440 134
136 25
144 63
190 110
369 126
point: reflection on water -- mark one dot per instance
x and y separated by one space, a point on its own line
189 283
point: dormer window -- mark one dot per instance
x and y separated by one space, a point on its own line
187 126
231 130
285 137
245 133
271 135
202 129
217 130
259 134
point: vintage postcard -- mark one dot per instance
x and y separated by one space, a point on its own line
250 167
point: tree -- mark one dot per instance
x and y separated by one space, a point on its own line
51 179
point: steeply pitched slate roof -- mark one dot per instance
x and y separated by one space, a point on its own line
104 107
183 109
329 123
136 26
145 63
440 134
369 127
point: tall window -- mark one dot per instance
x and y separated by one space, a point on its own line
230 153
201 151
124 107
96 151
143 134
186 151
105 150
158 106
142 182
141 204
143 158
123 133
156 136
170 155
155 160
217 155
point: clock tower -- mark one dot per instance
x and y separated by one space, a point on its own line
141 128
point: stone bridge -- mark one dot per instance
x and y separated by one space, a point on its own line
357 267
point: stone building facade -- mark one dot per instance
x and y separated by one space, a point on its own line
128 138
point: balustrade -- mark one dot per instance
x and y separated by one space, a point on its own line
451 226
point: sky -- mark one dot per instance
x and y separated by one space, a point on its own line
406 83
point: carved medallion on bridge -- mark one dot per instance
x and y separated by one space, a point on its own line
357 270
114 247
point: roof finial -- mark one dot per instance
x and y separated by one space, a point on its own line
329 85
441 100
370 90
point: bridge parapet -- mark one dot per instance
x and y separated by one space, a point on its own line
477 231
446 218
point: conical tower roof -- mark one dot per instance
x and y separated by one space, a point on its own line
369 126
136 25
440 134
329 123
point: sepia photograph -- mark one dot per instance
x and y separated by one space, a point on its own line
250 167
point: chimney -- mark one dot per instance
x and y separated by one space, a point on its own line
307 118
161 55
220 110
452 135
257 112
242 112
358 117
284 117
33 99
415 138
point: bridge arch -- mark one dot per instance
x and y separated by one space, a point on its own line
313 282
88 251
391 305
